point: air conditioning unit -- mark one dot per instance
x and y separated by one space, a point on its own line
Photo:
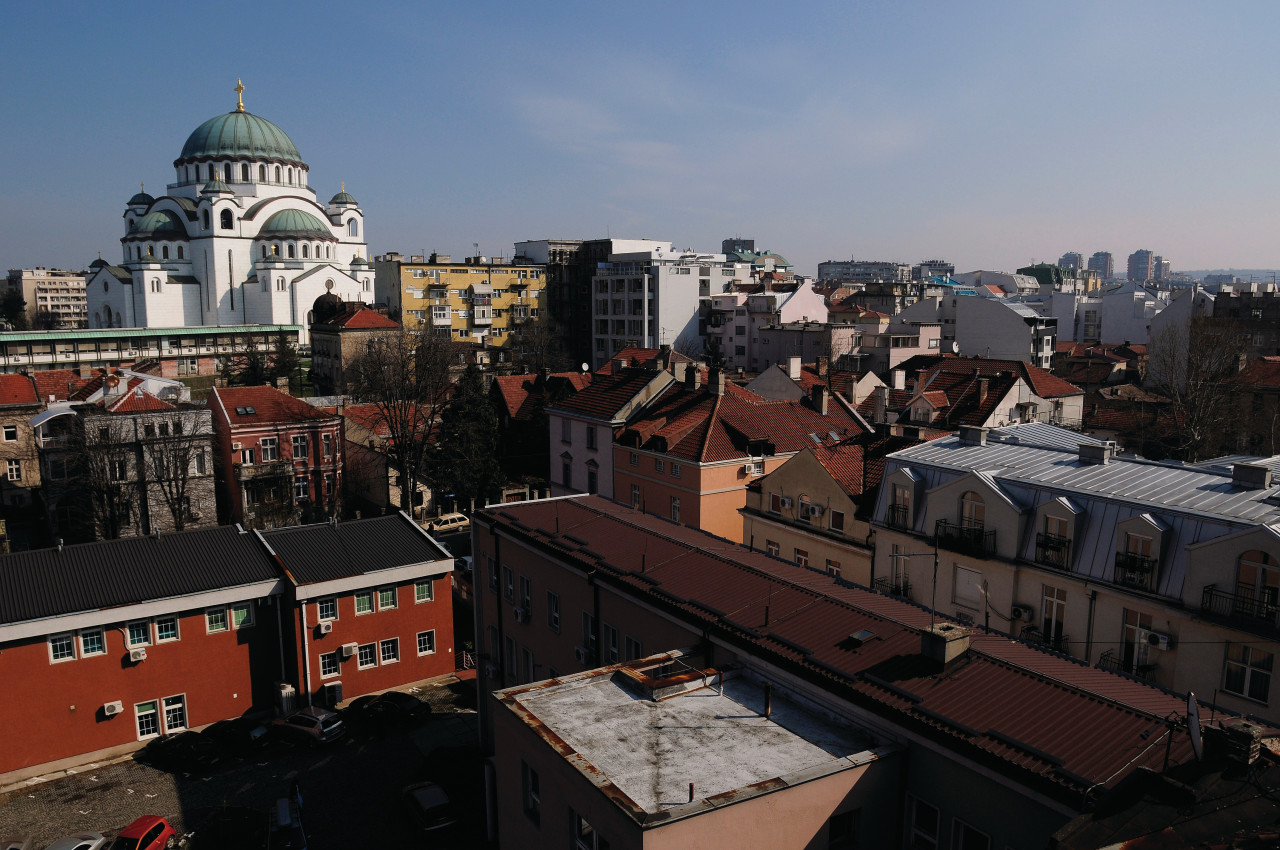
1160 641
111 709
521 615
787 502
235 447
582 654
326 627
748 468
349 649
815 510
137 655
1022 613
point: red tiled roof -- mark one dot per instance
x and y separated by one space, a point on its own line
56 382
607 393
17 389
640 358
1260 373
1043 383
360 318
137 401
269 404
1001 705
517 390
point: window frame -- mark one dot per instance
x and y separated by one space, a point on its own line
102 638
430 635
530 793
373 653
177 629
71 645
320 605
508 584
915 837
7 430
387 605
430 586
389 643
210 628
138 715
337 664
553 611
247 622
129 640
366 595
169 728
1249 669
268 446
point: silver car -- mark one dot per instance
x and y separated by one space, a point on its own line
313 724
80 841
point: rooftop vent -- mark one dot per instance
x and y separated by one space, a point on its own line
1097 452
944 642
1251 476
973 435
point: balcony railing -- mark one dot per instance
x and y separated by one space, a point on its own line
1242 608
1115 663
1053 551
1136 571
966 539
1033 634
900 586
265 469
899 516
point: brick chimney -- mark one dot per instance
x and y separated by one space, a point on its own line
693 377
680 370
819 397
824 363
984 384
715 380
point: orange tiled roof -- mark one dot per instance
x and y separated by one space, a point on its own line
360 318
17 389
269 404
56 383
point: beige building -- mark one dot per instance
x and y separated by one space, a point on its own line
338 340
19 459
1166 572
52 294
482 299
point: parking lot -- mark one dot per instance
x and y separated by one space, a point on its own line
350 788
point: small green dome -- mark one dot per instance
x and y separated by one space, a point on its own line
158 223
295 223
142 199
343 197
215 186
240 134
359 261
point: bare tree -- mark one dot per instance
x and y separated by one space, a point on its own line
1193 365
177 456
539 344
105 460
405 374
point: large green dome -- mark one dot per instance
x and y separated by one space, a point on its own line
298 224
159 224
240 134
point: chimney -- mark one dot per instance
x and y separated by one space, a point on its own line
899 379
973 435
824 363
544 373
944 643
881 414
693 377
793 367
853 390
715 380
1097 453
619 363
983 385
282 384
1251 476
664 357
819 398
679 370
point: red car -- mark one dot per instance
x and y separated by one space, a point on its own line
149 832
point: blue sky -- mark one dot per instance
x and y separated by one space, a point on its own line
986 134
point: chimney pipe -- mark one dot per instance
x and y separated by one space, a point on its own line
899 379
819 398
693 377
824 364
715 380
793 367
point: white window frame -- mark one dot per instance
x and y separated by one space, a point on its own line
300 440
337 665
247 622
169 729
553 611
390 643
177 629
419 586
430 635
269 448
385 606
209 627
956 825
71 644
320 606
915 838
102 638
138 715
10 429
972 603
366 594
373 649
128 633
14 470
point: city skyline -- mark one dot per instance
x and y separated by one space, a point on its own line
876 132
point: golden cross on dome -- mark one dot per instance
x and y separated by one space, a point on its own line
143 187
344 186
239 90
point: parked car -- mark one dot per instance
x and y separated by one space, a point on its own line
429 806
238 735
185 752
449 523
149 832
387 710
313 725
17 842
80 841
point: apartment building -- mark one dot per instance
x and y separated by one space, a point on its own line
481 300
55 298
1103 263
655 295
18 404
1142 266
991 327
1163 571
864 271
947 392
569 265
338 340
737 319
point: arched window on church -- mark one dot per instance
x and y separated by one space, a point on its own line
262 173
289 250
326 252
197 173
306 251
204 218
353 227
164 250
264 252
186 173
277 174
226 219
179 252
227 174
291 175
244 172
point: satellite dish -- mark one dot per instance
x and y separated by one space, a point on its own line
586 368
955 348
1193 726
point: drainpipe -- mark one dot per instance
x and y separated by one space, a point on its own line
1088 638
306 650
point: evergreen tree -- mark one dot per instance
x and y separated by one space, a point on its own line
14 310
284 359
468 445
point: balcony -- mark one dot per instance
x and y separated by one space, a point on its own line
899 516
1061 643
1135 571
1241 609
266 469
974 541
900 586
1110 661
1053 551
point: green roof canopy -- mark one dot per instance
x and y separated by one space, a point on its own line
295 223
240 134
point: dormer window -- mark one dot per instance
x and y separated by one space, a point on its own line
1053 545
1257 586
900 507
1136 563
973 511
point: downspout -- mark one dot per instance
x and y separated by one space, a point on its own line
306 651
595 613
1088 638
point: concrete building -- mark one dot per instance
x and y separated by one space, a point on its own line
865 271
1113 314
239 239
999 284
932 268
18 452
1072 260
648 294
55 298
1142 266
338 340
959 391
570 264
1164 571
481 300
736 320
991 327
1103 263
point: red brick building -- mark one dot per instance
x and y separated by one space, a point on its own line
280 459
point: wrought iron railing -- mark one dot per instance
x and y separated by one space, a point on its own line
1244 608
1115 663
966 539
899 586
1136 571
899 516
1054 551
1033 634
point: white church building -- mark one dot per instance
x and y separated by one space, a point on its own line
238 239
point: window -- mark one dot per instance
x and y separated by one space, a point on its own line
675 508
566 474
802 557
1136 627
675 470
833 568
611 644
658 465
242 615
634 460
634 648
1054 607
585 836
973 512
593 479
301 487
390 650
771 547
837 521
842 830
269 449
120 469
225 219
139 633
423 591
526 594
968 588
300 447
14 471
215 620
246 457
922 825
166 629
589 632
62 648
508 584
1248 671
635 495
327 439
353 228
329 666
386 598
427 642
10 433
527 667
775 503
327 608
965 837
148 719
1257 586
553 611
367 655
591 436
531 795
92 642
493 573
